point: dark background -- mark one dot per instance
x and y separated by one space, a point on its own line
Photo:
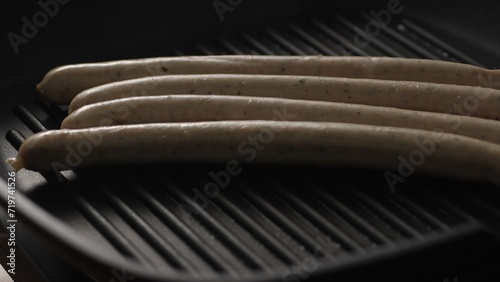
84 31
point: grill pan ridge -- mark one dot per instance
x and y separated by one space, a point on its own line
270 221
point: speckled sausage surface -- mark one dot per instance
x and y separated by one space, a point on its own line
61 84
311 143
421 96
192 108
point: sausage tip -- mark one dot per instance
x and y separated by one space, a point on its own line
71 108
15 163
39 87
66 123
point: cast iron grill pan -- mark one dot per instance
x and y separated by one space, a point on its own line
270 223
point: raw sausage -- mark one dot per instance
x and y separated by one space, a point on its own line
61 84
192 108
432 97
311 143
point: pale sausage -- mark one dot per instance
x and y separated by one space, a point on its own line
61 84
432 97
276 142
192 108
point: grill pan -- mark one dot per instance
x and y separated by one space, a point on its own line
271 223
